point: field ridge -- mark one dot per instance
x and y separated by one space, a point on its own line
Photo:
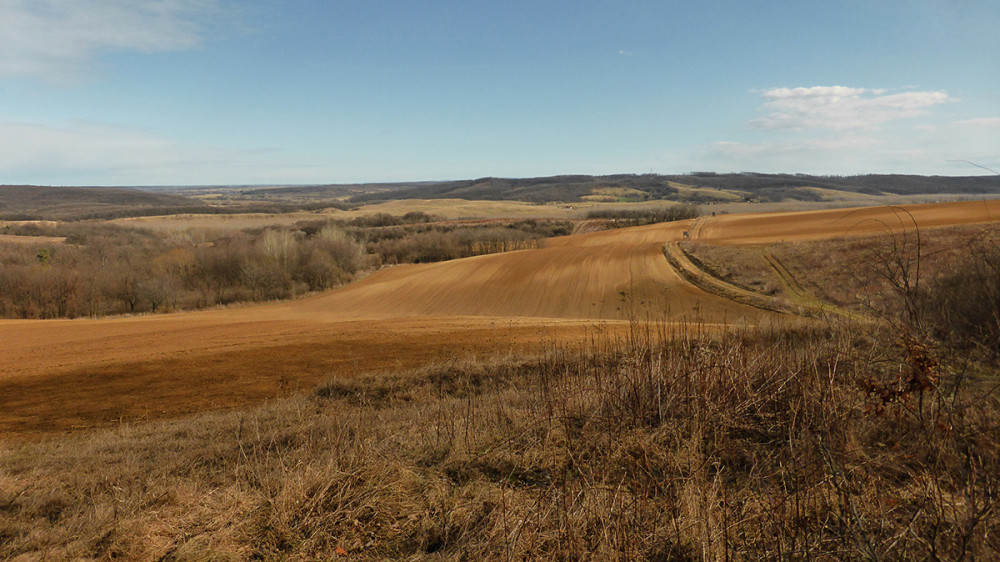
683 265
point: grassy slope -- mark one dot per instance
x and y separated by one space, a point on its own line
838 272
755 445
802 441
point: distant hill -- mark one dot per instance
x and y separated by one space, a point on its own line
701 187
71 203
25 202
871 184
29 202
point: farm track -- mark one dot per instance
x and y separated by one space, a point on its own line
694 231
697 276
787 279
798 294
66 375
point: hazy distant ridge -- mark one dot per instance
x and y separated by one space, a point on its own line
38 202
760 187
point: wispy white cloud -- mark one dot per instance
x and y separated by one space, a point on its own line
934 152
981 123
56 40
840 108
796 147
821 154
88 152
840 129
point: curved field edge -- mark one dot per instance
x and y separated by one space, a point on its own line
685 267
798 300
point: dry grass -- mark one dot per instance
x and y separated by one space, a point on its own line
836 200
740 266
839 270
233 222
813 440
449 209
35 240
782 442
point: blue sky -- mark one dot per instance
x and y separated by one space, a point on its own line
196 92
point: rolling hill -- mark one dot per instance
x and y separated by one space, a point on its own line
64 374
701 187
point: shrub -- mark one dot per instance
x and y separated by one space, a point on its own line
637 217
962 307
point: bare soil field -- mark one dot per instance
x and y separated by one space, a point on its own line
67 375
64 375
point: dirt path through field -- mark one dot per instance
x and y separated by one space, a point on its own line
687 269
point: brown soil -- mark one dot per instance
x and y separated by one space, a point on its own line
63 375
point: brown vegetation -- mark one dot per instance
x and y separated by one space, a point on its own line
862 273
414 238
32 202
624 218
103 269
96 269
695 188
594 277
664 444
838 438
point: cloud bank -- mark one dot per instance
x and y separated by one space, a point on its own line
86 152
56 40
840 108
842 129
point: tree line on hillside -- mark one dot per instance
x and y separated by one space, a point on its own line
754 186
419 241
621 218
82 203
26 202
104 269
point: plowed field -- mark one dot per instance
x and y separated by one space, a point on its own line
57 376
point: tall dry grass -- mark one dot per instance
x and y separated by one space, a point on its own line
670 443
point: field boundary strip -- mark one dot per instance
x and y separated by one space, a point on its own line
682 264
799 293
